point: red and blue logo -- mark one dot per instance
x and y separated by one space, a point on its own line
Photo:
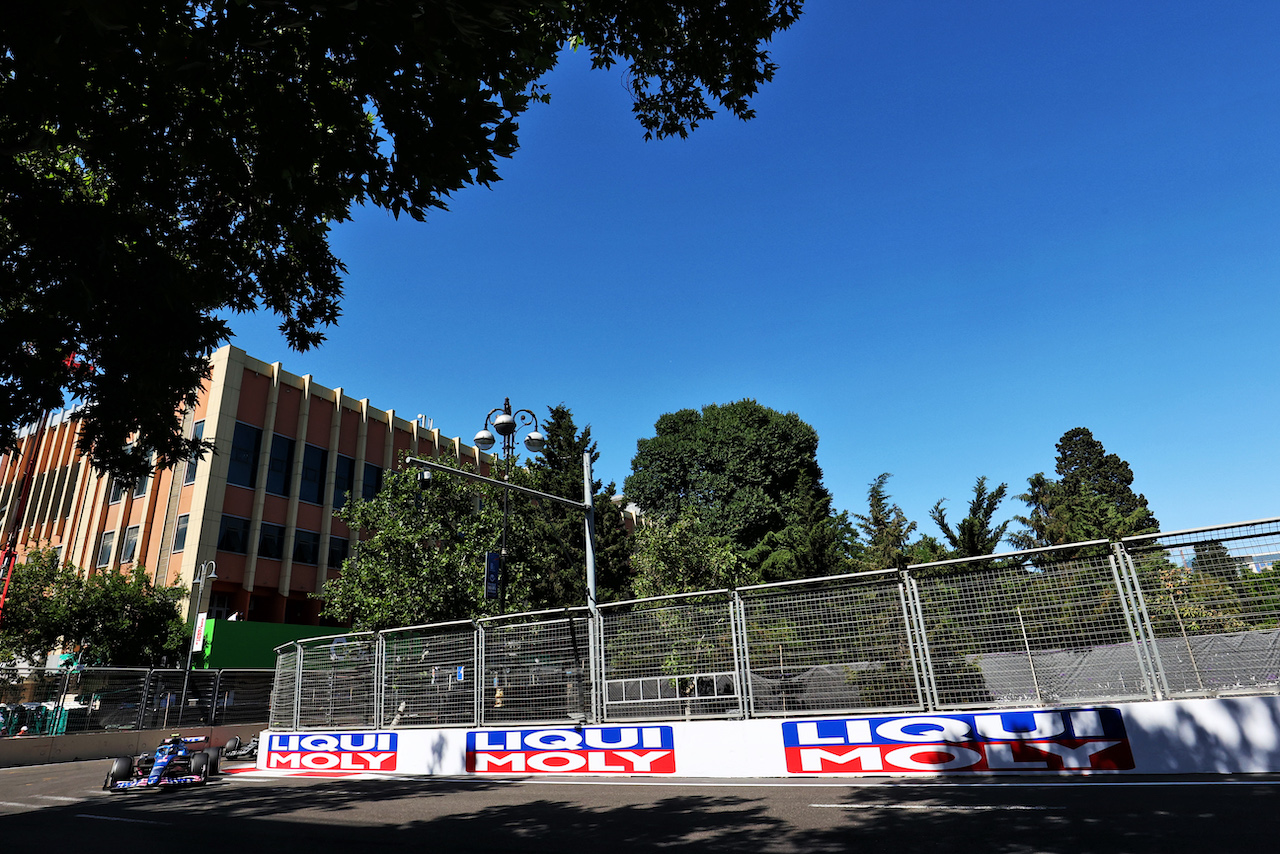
343 751
588 750
1071 740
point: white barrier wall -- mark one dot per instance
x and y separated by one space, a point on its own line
1220 736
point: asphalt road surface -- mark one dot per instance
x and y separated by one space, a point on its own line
62 808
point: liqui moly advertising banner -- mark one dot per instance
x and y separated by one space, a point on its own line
1079 740
586 750
339 751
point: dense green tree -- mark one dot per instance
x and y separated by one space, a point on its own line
1214 559
162 163
681 555
558 471
420 558
117 619
1093 498
815 543
976 534
885 529
741 468
1084 466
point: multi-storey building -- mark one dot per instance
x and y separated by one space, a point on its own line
288 453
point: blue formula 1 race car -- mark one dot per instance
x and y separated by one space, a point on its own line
176 762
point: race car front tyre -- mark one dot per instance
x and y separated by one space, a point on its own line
200 765
121 769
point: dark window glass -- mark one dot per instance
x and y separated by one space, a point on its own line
193 464
306 547
129 546
219 606
337 551
118 488
180 532
280 468
104 548
271 542
233 535
372 481
246 444
343 477
315 462
140 488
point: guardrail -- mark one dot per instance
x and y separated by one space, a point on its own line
1176 615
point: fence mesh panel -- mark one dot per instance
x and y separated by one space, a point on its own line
1213 602
1185 614
670 659
536 671
337 683
102 699
29 698
243 696
831 647
175 698
428 676
1013 633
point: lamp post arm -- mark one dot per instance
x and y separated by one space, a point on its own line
433 466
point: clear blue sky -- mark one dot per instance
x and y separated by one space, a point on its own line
954 231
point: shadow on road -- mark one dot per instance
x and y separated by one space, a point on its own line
498 816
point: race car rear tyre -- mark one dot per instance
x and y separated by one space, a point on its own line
215 760
200 765
121 769
232 745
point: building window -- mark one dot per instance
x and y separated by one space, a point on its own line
315 462
306 547
180 532
129 546
233 535
343 477
118 488
140 488
280 466
219 606
193 463
246 444
338 547
271 542
104 549
372 481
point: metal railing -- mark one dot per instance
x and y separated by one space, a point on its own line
60 701
1185 614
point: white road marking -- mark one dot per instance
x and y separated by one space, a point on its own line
24 806
59 798
925 807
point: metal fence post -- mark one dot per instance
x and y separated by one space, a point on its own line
741 656
1142 621
379 679
916 617
478 679
297 688
914 636
142 703
213 703
595 682
1133 620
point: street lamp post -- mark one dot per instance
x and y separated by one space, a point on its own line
205 573
506 424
